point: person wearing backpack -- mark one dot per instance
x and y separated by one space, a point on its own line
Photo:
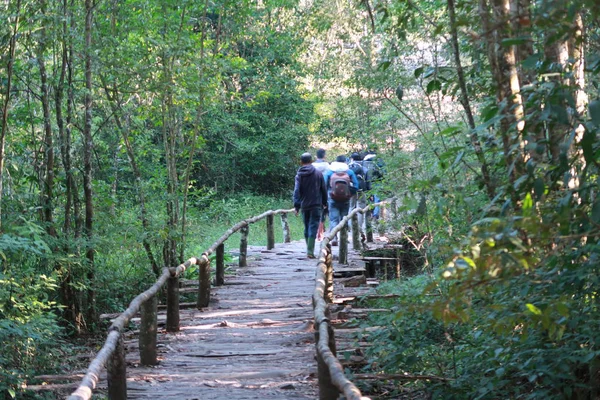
360 199
341 184
322 166
310 196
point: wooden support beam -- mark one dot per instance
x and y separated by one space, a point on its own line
173 303
285 226
270 233
343 246
368 226
117 372
356 245
204 283
220 270
148 330
244 246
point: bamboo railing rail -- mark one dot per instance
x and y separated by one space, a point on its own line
112 356
332 381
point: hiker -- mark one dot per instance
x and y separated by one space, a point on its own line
341 185
320 162
323 166
310 196
359 199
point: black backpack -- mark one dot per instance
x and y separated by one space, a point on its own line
359 171
340 183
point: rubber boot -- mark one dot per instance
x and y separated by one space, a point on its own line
310 247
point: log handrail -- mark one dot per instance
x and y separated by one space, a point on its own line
332 380
89 382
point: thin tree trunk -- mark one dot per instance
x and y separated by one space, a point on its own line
48 145
87 165
464 99
9 73
503 64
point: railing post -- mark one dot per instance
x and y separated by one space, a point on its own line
204 283
148 328
368 226
285 226
327 390
329 276
117 373
270 233
244 246
355 233
220 271
172 302
343 249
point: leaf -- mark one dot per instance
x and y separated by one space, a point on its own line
458 159
596 211
450 131
531 61
384 65
527 204
433 85
515 41
418 72
539 188
594 108
533 309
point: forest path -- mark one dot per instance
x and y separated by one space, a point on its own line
254 341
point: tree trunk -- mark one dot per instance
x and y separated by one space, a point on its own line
9 72
48 146
502 59
91 314
464 100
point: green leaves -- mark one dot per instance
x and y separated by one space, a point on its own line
594 110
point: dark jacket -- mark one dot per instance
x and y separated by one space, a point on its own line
309 189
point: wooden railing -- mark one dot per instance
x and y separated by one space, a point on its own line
332 381
112 354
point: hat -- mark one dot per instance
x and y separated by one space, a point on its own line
306 158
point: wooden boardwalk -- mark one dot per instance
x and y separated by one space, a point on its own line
254 341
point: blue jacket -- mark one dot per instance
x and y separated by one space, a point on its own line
309 189
350 173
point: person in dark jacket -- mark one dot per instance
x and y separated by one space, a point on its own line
310 196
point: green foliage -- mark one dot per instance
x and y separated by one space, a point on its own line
28 322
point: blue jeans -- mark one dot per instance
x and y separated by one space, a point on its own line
311 220
337 211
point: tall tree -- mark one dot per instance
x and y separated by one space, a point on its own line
12 43
88 146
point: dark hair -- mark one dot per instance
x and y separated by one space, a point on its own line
341 158
356 156
306 158
321 153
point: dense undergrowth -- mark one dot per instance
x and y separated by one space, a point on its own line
510 311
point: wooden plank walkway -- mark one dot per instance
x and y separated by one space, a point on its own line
254 341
